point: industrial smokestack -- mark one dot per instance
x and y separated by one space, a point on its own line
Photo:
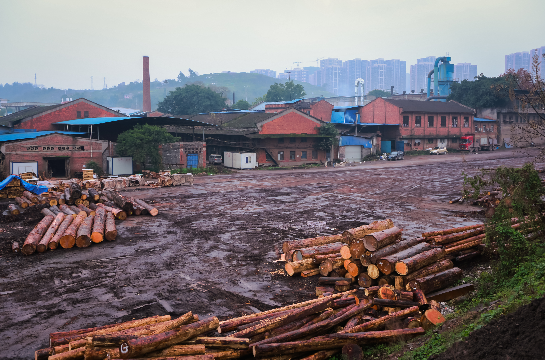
146 82
392 90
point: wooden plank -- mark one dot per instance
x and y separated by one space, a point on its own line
450 293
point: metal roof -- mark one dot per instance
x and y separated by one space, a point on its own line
430 106
34 134
163 120
481 119
378 124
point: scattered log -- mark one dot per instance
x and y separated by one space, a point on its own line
439 266
118 213
450 231
447 239
110 229
311 252
468 256
224 342
360 232
364 280
54 242
122 202
397 316
68 240
88 211
329 265
22 202
342 285
387 264
44 354
83 238
144 345
99 223
394 303
380 239
352 352
15 247
66 209
13 209
48 212
436 281
43 244
304 243
451 293
93 194
55 209
311 272
373 271
36 234
408 265
394 248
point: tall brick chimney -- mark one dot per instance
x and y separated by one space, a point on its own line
147 98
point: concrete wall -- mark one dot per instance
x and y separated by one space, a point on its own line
175 154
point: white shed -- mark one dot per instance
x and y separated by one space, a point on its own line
240 160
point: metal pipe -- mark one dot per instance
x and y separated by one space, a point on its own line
429 82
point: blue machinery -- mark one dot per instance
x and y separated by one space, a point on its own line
443 77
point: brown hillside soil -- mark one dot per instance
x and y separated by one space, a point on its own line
520 335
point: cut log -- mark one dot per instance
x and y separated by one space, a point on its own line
386 293
108 340
118 213
311 272
30 196
224 342
364 280
15 247
394 303
185 319
67 196
451 231
83 238
144 345
75 354
52 201
355 268
465 241
468 256
36 234
66 209
86 209
68 240
22 203
13 209
465 244
311 252
360 232
76 209
365 258
436 267
328 265
122 202
151 210
48 212
110 229
408 265
399 283
451 293
345 252
385 280
342 285
179 350
394 248
320 258
339 272
320 355
55 209
62 199
397 316
352 352
436 281
380 239
330 280
51 231
297 267
44 354
75 191
93 194
304 243
431 318
99 223
447 239
54 242
387 264
404 295
373 271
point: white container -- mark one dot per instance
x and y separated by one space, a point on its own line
228 159
244 160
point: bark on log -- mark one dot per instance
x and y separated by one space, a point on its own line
450 231
224 342
464 241
318 259
342 285
447 239
394 303
36 234
320 355
54 242
380 239
110 229
311 272
15 247
75 354
185 319
298 266
394 248
43 354
310 242
108 340
88 211
360 232
400 315
179 350
75 191
55 210
118 213
329 265
330 280
339 272
436 281
22 203
93 194
83 238
364 280
352 352
373 271
48 212
311 252
385 292
99 223
451 293
355 268
408 265
420 297
76 209
68 239
411 323
385 280
30 196
62 199
122 202
43 244
387 264
468 256
436 267
144 345
66 209
13 209
67 197
465 246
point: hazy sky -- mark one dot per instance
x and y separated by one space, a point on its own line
67 42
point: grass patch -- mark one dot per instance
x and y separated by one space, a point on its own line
209 170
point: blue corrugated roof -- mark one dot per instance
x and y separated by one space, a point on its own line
377 124
35 134
346 107
104 120
481 119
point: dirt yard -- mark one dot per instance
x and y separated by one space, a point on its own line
213 247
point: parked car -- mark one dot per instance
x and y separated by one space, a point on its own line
214 159
395 155
438 151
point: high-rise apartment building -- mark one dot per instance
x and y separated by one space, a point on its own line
465 71
419 73
266 72
518 60
331 70
539 52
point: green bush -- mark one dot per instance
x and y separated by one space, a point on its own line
97 169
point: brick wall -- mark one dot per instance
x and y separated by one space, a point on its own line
275 146
45 122
321 110
175 154
380 112
291 123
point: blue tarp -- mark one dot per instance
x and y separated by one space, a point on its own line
36 189
337 117
350 116
352 140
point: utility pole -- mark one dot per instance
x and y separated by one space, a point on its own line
35 85
92 83
104 87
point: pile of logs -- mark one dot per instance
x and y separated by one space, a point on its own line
315 329
12 190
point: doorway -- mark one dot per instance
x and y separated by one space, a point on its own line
57 167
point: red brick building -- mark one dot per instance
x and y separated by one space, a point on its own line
43 118
421 124
319 109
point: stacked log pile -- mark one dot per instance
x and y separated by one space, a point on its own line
12 190
315 329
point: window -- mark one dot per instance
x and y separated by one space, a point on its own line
443 121
430 121
303 139
418 121
303 154
314 154
405 121
268 157
86 114
454 141
491 128
454 121
280 140
79 114
430 141
280 155
292 155
292 140
466 121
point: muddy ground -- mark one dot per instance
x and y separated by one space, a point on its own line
213 247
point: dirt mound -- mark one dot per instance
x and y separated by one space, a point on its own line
519 335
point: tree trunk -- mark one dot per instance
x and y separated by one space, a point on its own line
451 293
70 355
55 210
320 355
311 252
304 243
48 212
373 271
329 265
68 240
364 280
44 354
13 209
394 303
360 232
355 268
400 315
380 239
110 229
66 209
54 242
436 281
447 239
98 225
311 272
439 266
467 245
394 248
83 238
43 244
36 234
118 213
408 265
387 264
93 194
450 231
22 203
144 345
75 191
151 210
122 202
88 211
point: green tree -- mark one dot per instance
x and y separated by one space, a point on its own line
379 93
190 100
285 92
181 77
484 92
241 105
330 132
259 100
193 74
142 143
